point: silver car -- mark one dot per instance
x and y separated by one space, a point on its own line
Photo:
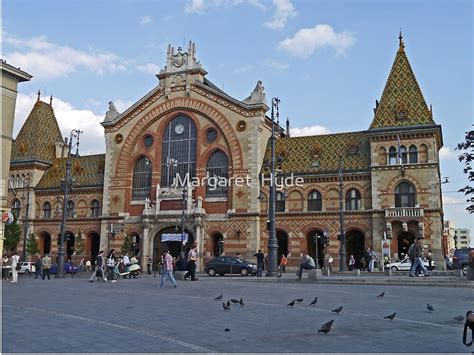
405 265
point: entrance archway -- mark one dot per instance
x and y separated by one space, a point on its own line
315 236
70 241
218 244
355 245
282 239
174 247
94 240
45 243
405 239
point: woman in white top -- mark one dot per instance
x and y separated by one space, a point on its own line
15 260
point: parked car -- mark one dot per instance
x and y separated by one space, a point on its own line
69 268
461 259
229 265
27 267
405 265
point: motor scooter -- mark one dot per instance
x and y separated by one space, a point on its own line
133 270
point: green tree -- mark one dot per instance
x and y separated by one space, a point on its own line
79 244
467 156
127 244
32 247
12 235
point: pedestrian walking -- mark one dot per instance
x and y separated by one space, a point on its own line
46 266
368 258
99 267
283 262
5 268
330 261
373 259
148 264
15 261
429 257
415 252
167 269
192 259
38 267
260 262
351 262
306 264
111 263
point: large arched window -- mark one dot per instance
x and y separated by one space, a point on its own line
46 210
217 171
353 201
315 202
70 209
280 202
413 154
141 179
405 195
392 156
95 208
16 208
179 150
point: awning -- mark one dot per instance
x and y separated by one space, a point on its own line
174 237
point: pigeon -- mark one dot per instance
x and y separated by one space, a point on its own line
314 301
241 302
233 300
391 316
218 298
459 318
226 307
299 300
228 303
227 330
326 327
337 310
429 307
291 304
381 295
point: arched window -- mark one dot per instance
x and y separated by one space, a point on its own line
403 153
179 150
315 202
353 201
217 171
70 209
16 208
46 210
405 195
382 156
392 156
413 154
141 187
280 202
95 208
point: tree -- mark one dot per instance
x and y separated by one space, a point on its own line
127 244
79 244
467 156
32 247
12 235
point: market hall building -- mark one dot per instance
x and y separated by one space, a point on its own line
186 125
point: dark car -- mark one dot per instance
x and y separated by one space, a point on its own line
229 265
461 259
69 268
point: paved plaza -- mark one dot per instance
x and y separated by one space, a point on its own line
73 315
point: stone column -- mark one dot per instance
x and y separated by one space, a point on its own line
145 246
199 239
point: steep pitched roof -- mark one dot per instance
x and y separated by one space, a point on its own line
317 154
402 102
88 171
38 136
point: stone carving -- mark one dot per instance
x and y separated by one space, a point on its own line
257 96
112 113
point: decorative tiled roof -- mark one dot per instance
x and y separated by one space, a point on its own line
38 136
88 171
402 102
315 154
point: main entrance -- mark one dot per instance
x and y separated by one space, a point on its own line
170 239
355 245
405 239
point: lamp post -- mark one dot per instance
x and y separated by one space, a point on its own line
26 183
342 236
66 185
272 240
316 242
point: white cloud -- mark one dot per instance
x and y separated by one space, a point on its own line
144 20
309 131
44 59
149 68
244 69
447 154
307 40
200 6
278 66
283 11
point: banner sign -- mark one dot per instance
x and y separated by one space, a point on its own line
174 237
8 218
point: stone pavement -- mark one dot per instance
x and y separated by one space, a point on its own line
73 315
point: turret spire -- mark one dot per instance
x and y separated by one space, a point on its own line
401 44
39 94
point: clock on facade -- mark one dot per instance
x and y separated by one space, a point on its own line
179 128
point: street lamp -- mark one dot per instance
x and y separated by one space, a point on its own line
316 242
26 183
66 185
342 236
272 240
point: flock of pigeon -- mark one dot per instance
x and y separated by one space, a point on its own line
326 327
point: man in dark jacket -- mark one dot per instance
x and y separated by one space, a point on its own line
260 262
99 262
418 259
38 267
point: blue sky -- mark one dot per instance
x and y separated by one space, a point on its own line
327 61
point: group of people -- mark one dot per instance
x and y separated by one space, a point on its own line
415 253
9 263
108 265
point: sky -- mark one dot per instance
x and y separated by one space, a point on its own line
327 61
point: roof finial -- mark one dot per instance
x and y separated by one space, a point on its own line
39 94
400 38
51 100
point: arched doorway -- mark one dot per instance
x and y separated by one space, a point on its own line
174 246
217 244
45 243
282 239
70 241
355 245
315 236
94 240
405 239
